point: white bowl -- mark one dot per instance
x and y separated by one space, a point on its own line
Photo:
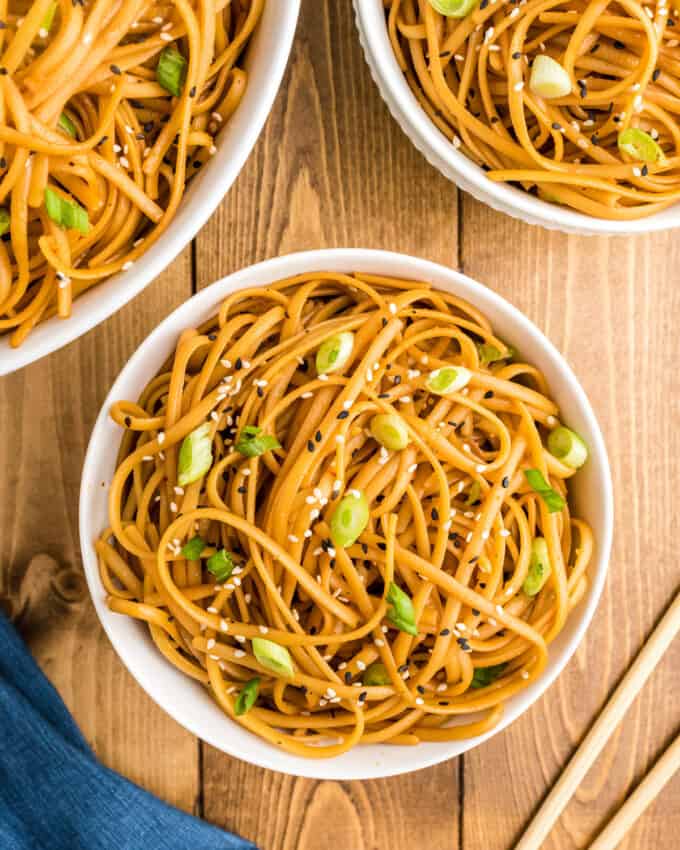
187 701
265 61
438 150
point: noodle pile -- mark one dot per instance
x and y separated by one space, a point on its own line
472 76
452 517
83 114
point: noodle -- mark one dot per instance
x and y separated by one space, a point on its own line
453 520
472 77
84 113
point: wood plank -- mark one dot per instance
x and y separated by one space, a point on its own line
49 409
332 169
607 305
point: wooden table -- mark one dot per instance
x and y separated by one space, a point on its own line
333 169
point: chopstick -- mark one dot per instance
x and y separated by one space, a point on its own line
610 717
615 831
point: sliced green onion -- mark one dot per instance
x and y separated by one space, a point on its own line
171 70
4 221
448 379
539 485
246 699
66 213
390 431
490 354
221 565
334 353
453 8
195 455
640 145
539 567
548 78
192 549
484 676
401 614
252 442
349 519
274 657
567 446
376 674
474 493
64 123
48 20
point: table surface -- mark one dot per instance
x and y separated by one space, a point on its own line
332 169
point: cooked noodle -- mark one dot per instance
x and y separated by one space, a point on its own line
472 76
452 518
93 67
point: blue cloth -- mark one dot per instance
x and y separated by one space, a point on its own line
54 794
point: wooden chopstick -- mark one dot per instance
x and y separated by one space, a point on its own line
614 833
610 717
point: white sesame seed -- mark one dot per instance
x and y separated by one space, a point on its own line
165 36
239 653
293 538
420 701
392 307
224 626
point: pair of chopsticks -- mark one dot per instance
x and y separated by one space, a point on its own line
593 744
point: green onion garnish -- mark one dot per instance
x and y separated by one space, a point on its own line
246 699
640 145
334 353
4 221
390 431
402 614
64 123
195 455
349 519
274 657
539 485
474 493
448 379
484 676
539 567
221 565
567 446
376 674
490 354
66 213
48 20
171 70
193 548
453 8
252 442
548 78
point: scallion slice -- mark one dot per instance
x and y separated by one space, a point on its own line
401 614
390 431
484 676
548 78
474 493
48 20
453 8
539 485
246 699
448 379
64 123
376 674
171 70
349 519
221 564
252 442
192 549
490 354
66 213
539 567
274 657
195 455
334 353
4 221
640 145
567 446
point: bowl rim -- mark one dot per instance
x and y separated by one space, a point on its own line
152 353
456 166
223 169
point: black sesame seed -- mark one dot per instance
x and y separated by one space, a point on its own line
402 668
362 696
380 498
397 380
445 632
348 677
488 394
382 547
192 91
517 55
343 414
420 689
3 162
310 446
656 74
619 45
556 125
239 363
260 392
115 70
242 489
384 395
318 436
644 171
434 513
127 421
505 482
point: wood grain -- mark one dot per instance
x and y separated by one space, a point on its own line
333 169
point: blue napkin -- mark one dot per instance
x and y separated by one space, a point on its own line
54 794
